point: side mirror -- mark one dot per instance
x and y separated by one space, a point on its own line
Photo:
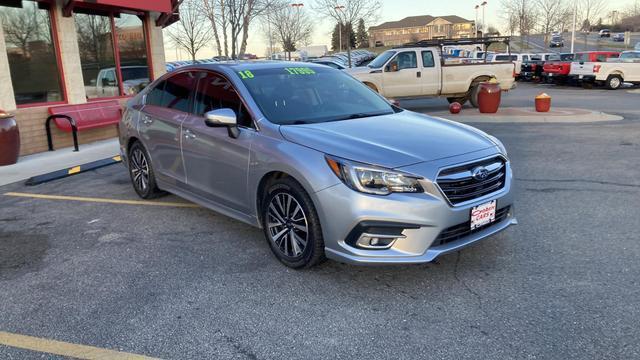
223 118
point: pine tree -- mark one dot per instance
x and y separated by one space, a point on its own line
362 38
335 37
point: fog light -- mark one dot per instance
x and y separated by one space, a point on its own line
377 241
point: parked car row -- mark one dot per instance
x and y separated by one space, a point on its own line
340 60
606 68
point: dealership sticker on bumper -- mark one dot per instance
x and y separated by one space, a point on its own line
483 214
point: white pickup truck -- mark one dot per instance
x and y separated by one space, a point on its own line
612 73
135 78
412 72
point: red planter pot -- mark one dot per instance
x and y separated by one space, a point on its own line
9 139
489 95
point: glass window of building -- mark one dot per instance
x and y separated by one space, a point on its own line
31 51
100 49
133 53
97 59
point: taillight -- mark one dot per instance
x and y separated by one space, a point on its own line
596 68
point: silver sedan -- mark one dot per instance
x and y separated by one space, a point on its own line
324 165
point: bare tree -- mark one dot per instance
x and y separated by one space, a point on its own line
92 31
291 26
191 33
21 28
632 9
348 12
550 14
214 10
521 12
589 11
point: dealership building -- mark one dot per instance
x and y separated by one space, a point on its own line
55 52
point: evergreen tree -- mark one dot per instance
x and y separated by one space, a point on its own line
362 38
335 37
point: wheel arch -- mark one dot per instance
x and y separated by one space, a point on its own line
265 180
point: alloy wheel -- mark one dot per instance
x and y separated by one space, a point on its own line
139 170
614 83
287 225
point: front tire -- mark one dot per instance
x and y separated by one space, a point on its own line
141 172
613 82
291 224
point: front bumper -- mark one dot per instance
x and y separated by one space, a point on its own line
341 210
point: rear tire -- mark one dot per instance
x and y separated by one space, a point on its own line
291 224
613 82
143 177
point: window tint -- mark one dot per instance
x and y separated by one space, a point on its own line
427 59
215 92
177 89
407 60
154 96
525 57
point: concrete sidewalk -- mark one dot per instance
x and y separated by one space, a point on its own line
528 115
42 163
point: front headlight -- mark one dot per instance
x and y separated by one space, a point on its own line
373 180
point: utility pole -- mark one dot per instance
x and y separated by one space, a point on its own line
573 29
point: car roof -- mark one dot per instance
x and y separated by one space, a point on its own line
241 65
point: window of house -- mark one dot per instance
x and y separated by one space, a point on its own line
104 38
31 52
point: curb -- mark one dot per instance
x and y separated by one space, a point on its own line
63 173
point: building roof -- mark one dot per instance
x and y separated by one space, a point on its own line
413 21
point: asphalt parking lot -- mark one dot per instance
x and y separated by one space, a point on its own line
171 280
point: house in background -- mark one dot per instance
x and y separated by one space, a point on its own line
416 28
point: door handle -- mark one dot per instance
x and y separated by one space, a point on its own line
189 135
147 120
418 74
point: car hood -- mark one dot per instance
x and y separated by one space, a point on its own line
360 70
390 141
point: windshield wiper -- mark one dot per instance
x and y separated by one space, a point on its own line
362 115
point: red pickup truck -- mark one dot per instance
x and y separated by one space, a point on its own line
556 69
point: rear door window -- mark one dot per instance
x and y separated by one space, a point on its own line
427 59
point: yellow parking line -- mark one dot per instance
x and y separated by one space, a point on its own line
103 200
74 170
64 348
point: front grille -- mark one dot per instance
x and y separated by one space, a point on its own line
459 231
459 185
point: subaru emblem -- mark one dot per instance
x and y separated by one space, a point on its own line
479 173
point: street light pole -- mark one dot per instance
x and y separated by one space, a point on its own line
475 25
340 10
484 25
297 6
573 29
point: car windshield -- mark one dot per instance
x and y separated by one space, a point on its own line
581 57
630 55
130 73
506 57
305 95
382 59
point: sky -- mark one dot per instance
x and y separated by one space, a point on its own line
392 10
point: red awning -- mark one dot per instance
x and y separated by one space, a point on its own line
163 6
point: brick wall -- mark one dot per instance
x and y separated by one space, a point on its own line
33 136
